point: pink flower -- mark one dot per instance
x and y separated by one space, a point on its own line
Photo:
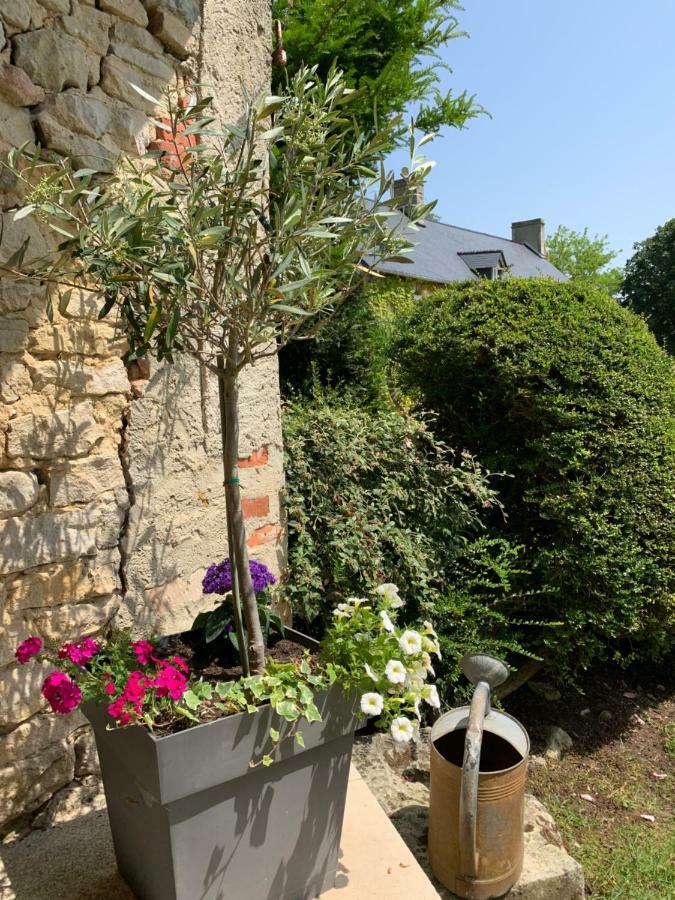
142 649
118 711
61 692
28 649
180 662
80 653
136 687
110 688
170 681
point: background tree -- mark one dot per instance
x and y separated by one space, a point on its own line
202 258
649 284
585 258
388 50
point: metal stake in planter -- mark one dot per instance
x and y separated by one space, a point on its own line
478 766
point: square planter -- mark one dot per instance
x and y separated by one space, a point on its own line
191 820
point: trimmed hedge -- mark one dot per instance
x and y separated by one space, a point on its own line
568 394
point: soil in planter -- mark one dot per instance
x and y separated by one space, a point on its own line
214 662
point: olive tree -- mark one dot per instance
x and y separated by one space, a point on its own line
203 258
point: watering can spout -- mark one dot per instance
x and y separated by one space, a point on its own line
476 805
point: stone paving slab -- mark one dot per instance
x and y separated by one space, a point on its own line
75 860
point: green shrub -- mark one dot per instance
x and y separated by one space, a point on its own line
372 496
560 388
353 348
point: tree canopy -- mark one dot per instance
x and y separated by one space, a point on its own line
388 50
649 284
585 258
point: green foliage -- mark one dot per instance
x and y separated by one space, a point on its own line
566 392
372 494
194 258
649 285
353 348
585 258
388 50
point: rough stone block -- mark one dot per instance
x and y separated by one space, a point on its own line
91 26
187 10
83 151
95 116
36 734
73 801
111 518
52 59
68 432
20 296
14 382
14 234
126 33
18 492
20 693
171 31
131 10
70 621
153 65
82 482
13 335
17 88
15 124
81 338
83 304
28 783
86 755
117 78
80 379
15 14
60 7
50 537
64 583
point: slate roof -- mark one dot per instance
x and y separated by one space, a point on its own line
438 248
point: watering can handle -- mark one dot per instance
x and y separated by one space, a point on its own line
468 798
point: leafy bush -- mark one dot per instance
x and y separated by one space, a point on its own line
372 495
649 283
562 389
354 347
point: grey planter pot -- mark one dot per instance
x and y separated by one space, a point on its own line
191 820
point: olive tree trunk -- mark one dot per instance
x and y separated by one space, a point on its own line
238 552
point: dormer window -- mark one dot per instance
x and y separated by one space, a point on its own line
488 264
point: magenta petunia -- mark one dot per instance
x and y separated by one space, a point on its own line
28 649
169 682
143 650
80 653
61 692
136 687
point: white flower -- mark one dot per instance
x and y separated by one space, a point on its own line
387 624
415 682
426 662
356 601
371 704
370 673
430 695
410 642
389 592
431 646
395 671
429 628
402 729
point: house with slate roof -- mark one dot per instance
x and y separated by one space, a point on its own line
445 253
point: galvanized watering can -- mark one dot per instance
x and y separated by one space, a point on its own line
478 766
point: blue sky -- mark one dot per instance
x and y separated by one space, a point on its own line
582 97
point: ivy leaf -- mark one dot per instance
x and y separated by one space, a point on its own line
191 699
312 714
288 710
274 734
299 739
267 760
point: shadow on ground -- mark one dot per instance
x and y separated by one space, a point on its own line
73 861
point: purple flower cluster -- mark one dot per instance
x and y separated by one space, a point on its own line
218 578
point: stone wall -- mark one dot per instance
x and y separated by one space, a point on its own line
111 499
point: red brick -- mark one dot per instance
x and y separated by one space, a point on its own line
255 507
264 535
259 457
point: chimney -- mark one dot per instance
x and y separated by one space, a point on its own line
415 195
532 233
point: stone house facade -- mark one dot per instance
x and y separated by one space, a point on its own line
111 498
